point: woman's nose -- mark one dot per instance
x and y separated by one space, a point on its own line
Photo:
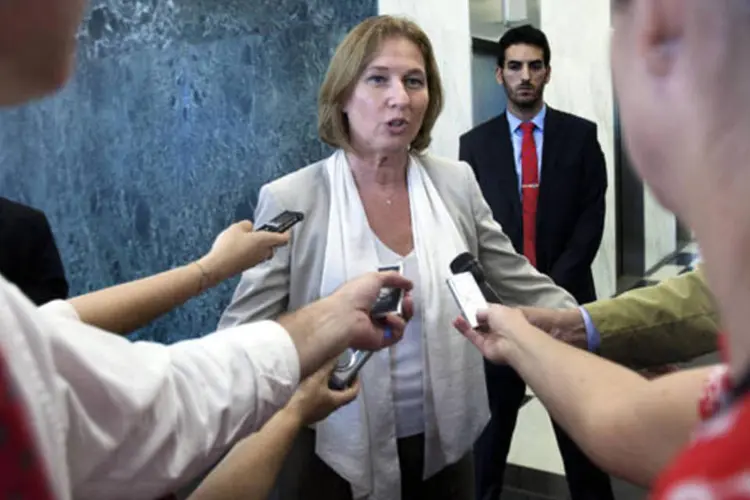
398 95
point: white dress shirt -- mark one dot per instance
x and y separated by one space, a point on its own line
516 135
116 419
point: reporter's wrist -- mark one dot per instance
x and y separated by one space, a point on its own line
211 271
332 322
318 333
573 321
522 344
293 414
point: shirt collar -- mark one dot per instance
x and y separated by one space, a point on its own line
514 122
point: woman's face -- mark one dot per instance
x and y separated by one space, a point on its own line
388 103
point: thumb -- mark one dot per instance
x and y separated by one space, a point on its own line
325 370
328 366
493 311
483 316
245 225
270 239
340 398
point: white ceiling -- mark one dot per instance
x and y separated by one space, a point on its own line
488 10
488 17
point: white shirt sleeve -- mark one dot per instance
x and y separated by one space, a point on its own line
138 420
62 308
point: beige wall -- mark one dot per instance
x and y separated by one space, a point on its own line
579 33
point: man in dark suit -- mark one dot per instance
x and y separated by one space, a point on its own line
28 255
543 174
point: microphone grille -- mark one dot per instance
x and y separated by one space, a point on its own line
462 263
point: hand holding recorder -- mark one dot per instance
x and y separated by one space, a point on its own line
390 309
486 324
314 400
498 328
240 247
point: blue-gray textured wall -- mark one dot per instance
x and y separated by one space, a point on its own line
179 111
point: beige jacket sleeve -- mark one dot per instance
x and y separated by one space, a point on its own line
514 279
673 321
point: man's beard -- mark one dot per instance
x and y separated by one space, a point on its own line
527 103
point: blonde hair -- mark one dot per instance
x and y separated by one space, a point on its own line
351 58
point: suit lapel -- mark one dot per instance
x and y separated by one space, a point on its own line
503 168
553 135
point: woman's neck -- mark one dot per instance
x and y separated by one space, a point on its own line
384 170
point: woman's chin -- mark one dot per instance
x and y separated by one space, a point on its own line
385 147
397 145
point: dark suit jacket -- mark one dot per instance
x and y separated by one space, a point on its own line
28 255
570 212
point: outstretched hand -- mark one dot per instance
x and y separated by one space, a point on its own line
498 326
563 324
355 300
326 328
239 248
314 400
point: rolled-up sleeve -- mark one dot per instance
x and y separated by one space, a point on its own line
144 418
61 308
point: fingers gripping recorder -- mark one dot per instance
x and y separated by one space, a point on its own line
349 364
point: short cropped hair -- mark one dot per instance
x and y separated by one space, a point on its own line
523 35
351 58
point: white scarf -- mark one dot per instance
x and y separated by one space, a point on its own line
359 440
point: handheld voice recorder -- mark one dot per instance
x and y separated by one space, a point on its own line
389 301
468 296
282 222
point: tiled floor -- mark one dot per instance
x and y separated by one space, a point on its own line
535 467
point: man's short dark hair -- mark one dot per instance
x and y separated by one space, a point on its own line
523 35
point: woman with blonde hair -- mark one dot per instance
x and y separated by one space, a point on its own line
381 199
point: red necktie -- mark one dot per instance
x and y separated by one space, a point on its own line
21 471
529 190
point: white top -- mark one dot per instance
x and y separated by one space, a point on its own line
116 419
407 358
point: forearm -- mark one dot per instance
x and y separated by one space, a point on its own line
316 335
570 382
183 407
127 307
516 281
250 469
616 416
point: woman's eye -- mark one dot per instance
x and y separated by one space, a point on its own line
414 83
